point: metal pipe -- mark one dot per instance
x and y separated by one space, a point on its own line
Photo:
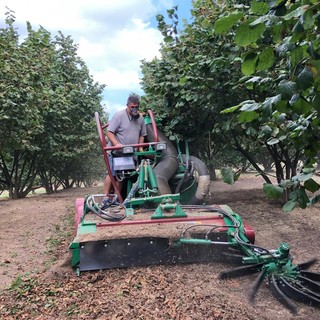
168 163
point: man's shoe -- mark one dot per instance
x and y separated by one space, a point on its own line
108 201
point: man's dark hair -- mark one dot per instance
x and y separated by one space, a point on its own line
133 98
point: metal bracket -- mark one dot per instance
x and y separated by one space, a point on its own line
169 210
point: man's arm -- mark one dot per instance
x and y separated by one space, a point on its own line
141 139
112 138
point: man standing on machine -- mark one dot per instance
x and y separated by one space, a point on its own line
126 127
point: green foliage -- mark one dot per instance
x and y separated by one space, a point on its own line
48 100
243 75
193 81
311 185
272 191
229 176
289 206
247 34
288 47
224 24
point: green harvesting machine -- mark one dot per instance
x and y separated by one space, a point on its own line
160 217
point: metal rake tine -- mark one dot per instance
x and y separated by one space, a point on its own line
299 295
311 275
310 284
282 298
306 265
241 271
256 285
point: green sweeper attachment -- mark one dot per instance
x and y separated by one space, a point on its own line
159 217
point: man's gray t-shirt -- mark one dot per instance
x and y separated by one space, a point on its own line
127 129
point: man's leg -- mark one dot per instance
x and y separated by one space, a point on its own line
107 185
107 182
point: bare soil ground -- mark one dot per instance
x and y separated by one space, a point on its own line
37 281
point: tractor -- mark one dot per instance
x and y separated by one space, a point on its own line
160 216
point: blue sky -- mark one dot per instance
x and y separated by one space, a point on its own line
113 35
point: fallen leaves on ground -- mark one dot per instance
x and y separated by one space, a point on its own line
158 292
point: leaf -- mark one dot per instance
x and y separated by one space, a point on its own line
272 191
312 185
297 55
287 89
316 102
248 65
168 39
301 106
228 175
271 101
294 98
289 206
307 170
282 106
266 129
303 199
262 19
314 200
252 82
206 23
296 13
305 79
272 141
316 65
307 19
283 137
304 176
246 35
224 24
251 131
231 109
248 116
298 27
266 59
286 183
183 81
250 106
159 17
259 8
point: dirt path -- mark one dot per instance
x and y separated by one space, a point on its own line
29 226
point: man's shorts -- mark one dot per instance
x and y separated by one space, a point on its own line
110 157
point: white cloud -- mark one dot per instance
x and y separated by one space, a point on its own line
113 35
79 14
116 79
123 49
111 107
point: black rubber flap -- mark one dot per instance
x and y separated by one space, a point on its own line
122 253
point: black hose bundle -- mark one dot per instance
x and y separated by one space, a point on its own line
112 211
